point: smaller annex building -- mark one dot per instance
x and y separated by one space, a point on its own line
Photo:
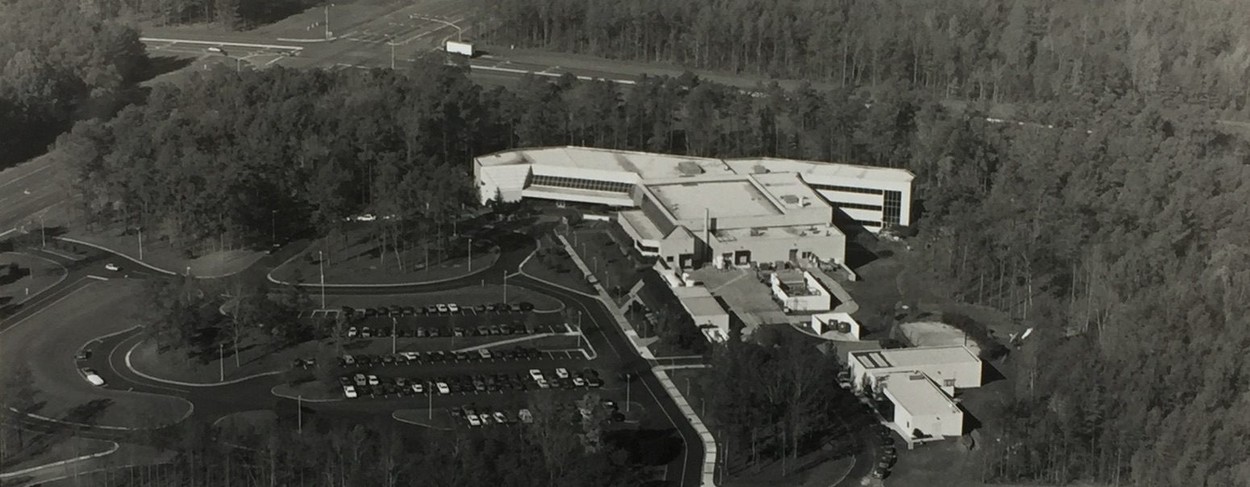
920 384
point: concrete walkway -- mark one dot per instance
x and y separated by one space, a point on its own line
709 443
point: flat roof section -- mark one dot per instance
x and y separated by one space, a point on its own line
643 225
915 357
917 394
721 199
766 165
647 165
699 301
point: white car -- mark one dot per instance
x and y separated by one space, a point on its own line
500 417
411 356
352 332
453 307
360 379
418 388
349 392
473 420
373 380
579 382
542 383
562 373
93 377
525 415
536 374
443 389
484 353
442 308
111 267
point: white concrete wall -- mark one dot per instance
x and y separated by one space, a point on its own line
509 180
945 424
821 301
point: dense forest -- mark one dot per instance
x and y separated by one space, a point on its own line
1015 50
235 14
57 66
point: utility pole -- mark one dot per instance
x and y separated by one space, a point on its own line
429 393
470 254
140 240
392 43
628 382
394 321
273 228
505 286
221 360
299 406
43 237
321 264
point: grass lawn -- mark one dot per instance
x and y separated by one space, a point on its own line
255 356
39 274
44 448
247 421
465 297
161 254
46 342
359 262
312 390
616 270
437 419
552 264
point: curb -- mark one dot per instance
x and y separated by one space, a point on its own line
273 391
377 286
132 369
423 425
110 451
307 41
709 442
64 275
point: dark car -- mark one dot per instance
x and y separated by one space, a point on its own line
82 355
347 311
370 312
297 363
880 472
526 306
431 310
396 310
461 356
492 307
434 332
481 308
388 360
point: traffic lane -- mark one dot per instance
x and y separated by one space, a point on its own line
30 193
48 340
72 283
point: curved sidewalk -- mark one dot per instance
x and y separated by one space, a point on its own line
133 370
496 250
25 471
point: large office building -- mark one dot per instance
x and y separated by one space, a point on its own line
690 210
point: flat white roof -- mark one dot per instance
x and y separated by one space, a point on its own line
698 301
730 198
914 392
914 357
816 168
651 166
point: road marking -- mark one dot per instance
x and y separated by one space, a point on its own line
24 176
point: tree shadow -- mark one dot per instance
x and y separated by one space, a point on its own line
158 65
648 447
88 412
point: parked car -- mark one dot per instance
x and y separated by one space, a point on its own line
536 374
361 380
458 331
373 380
83 354
92 377
349 392
562 373
473 420
484 353
579 382
443 389
418 388
111 267
481 308
453 308
352 332
366 332
442 308
526 306
500 417
409 311
525 416
388 360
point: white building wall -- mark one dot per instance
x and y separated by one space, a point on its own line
838 196
508 180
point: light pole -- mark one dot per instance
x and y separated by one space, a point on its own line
628 382
327 22
221 360
470 254
299 407
321 264
273 228
392 43
429 393
505 287
394 321
43 239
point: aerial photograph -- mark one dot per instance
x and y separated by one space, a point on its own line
624 243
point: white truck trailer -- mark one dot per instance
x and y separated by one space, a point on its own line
462 48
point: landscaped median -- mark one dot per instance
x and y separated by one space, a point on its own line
255 358
363 264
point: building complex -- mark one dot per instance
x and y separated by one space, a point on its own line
689 211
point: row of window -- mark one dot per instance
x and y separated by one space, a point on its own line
576 183
855 206
893 207
846 189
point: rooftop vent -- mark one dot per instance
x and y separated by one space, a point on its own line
689 168
759 169
790 199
